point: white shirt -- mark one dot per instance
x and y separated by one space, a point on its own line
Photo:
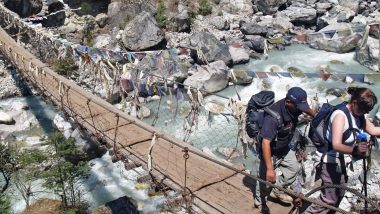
332 156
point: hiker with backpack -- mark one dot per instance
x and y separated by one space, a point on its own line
274 144
341 129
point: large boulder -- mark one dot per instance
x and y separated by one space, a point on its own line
239 55
240 7
269 6
369 55
55 19
335 15
6 119
352 4
342 41
206 48
211 78
300 15
282 23
220 23
252 28
255 42
24 8
181 21
121 12
142 33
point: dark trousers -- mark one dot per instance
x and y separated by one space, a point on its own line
331 174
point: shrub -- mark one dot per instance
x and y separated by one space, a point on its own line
5 204
204 7
161 14
65 67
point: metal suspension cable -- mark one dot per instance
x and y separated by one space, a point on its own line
109 107
326 186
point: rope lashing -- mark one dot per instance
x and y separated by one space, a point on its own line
60 88
154 139
186 156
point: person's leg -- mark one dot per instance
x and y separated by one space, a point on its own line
289 168
331 174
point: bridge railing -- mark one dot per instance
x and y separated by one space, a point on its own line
103 120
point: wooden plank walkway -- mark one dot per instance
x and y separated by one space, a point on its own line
214 188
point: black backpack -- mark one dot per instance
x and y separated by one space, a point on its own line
318 126
255 112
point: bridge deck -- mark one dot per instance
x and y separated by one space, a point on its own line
215 188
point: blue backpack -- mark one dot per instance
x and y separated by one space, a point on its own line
318 126
255 112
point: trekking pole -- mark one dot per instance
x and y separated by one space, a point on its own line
365 186
363 137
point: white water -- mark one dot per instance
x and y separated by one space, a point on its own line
223 134
109 181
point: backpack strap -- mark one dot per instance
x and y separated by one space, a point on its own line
276 115
348 132
351 129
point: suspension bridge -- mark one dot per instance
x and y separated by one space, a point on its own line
207 185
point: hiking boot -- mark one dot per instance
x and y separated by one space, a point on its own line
263 208
281 196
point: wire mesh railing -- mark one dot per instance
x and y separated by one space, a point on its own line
101 119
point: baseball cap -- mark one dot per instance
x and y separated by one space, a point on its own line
298 96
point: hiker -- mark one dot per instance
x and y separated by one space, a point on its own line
333 169
275 150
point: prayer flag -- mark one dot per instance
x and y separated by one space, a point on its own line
261 74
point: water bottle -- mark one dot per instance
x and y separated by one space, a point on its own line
362 138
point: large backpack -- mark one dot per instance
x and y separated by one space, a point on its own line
318 126
257 107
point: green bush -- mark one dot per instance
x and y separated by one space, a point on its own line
204 7
65 67
161 14
85 8
5 204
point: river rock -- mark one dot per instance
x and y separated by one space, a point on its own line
181 21
121 12
101 20
242 78
55 19
342 41
211 78
282 23
6 119
300 15
104 41
253 28
255 42
205 47
142 33
220 23
269 6
369 55
352 4
239 55
123 205
238 7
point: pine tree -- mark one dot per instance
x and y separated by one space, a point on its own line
65 176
